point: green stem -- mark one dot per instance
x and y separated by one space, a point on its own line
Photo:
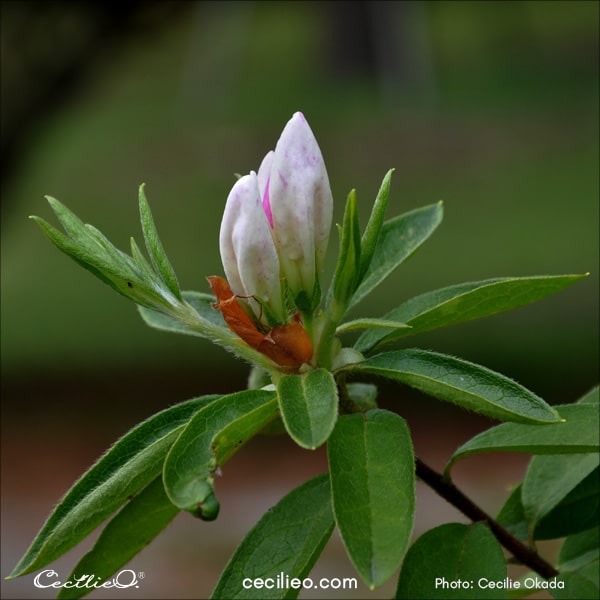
332 316
347 405
308 322
325 343
454 496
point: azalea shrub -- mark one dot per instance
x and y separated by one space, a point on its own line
274 309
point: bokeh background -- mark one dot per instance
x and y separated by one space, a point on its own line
490 106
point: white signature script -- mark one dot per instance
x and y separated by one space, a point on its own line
124 579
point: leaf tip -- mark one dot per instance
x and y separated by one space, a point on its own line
440 203
142 195
54 203
18 571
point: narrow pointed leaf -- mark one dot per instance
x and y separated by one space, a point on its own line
308 405
125 264
95 264
208 440
369 323
448 554
346 276
158 256
576 434
398 239
372 230
372 473
141 262
202 304
200 319
133 462
129 531
85 244
464 302
288 539
469 385
89 248
73 225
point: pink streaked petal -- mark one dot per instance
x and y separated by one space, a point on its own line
264 171
301 203
266 204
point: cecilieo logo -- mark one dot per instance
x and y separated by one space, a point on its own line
122 580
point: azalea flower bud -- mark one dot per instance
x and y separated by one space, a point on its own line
297 202
247 249
276 225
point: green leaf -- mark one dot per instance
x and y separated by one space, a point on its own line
94 252
512 515
398 239
369 323
464 302
469 385
133 462
575 512
578 433
308 405
579 550
202 304
133 528
209 439
452 555
85 236
346 276
140 261
113 255
592 397
372 474
98 264
579 584
155 249
286 541
202 320
372 230
363 395
548 482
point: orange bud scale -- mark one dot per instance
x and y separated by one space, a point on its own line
287 345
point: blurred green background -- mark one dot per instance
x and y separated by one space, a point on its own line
490 106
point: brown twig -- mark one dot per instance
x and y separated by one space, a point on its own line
454 496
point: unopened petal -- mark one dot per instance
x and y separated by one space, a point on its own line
301 203
247 249
263 175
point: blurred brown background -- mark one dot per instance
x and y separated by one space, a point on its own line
492 107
